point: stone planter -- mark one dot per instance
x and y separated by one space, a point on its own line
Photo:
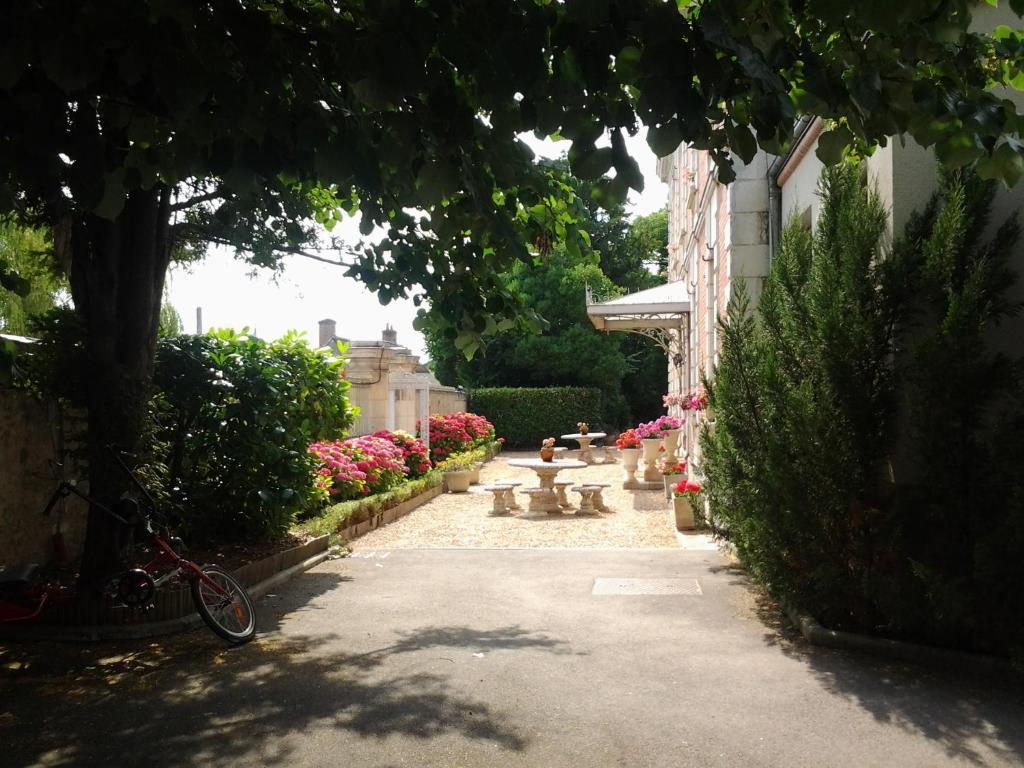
474 473
672 442
684 514
651 445
670 482
457 481
630 460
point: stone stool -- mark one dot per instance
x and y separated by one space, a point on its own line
541 500
560 488
510 497
598 500
586 493
500 503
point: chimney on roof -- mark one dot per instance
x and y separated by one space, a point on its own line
390 336
328 330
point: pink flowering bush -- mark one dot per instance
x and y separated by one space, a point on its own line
414 452
357 467
457 432
656 429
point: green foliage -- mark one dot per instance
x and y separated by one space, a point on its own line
526 415
240 414
908 523
273 115
802 397
338 516
962 501
629 370
170 321
469 458
30 280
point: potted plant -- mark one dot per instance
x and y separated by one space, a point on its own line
650 438
547 449
685 496
670 427
583 427
629 446
457 472
673 471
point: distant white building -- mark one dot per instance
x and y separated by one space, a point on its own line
390 385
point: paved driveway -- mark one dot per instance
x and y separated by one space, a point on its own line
504 658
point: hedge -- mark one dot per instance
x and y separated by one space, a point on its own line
526 415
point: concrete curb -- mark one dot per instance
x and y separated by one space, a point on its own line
153 629
914 653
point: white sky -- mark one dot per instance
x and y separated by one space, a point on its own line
308 291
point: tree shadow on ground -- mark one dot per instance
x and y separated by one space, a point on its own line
973 719
189 700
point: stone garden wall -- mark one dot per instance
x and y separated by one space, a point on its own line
29 435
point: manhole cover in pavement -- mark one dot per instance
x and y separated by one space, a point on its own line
646 587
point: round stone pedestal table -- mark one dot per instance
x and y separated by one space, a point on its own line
584 441
546 472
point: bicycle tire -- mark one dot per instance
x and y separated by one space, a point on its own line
206 603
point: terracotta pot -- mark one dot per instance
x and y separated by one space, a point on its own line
547 454
684 513
584 430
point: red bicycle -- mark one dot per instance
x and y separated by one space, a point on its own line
221 601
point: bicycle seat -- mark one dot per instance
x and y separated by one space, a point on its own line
18 576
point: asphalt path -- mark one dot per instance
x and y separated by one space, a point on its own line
501 658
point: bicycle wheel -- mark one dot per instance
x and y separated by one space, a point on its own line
231 616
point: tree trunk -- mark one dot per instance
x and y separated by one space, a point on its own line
117 278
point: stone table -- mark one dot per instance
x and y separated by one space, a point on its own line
546 472
584 441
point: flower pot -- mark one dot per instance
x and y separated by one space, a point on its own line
457 480
547 454
651 445
671 441
584 430
684 513
474 473
670 482
630 458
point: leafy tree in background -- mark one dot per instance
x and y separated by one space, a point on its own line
629 370
141 130
39 285
170 321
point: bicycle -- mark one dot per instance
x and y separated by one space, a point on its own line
222 603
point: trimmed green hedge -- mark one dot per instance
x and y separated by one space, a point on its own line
526 415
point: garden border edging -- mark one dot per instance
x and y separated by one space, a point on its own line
389 515
914 653
142 630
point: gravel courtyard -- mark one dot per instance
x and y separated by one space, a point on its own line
638 520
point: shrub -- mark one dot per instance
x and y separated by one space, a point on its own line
526 415
910 526
802 396
414 452
359 466
455 432
238 414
